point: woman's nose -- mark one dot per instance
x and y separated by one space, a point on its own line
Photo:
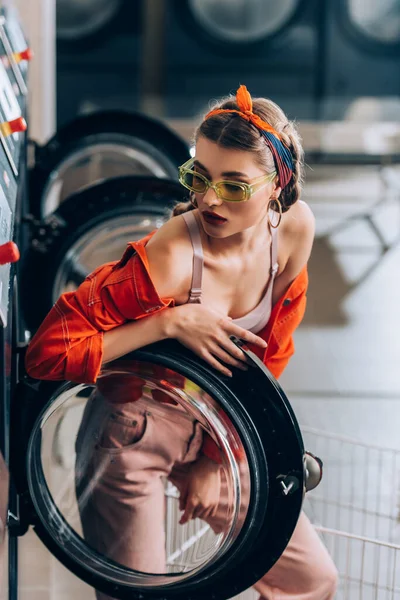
211 199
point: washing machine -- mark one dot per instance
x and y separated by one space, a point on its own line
361 56
98 56
213 46
261 458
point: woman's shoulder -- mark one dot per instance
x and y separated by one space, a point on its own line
170 241
299 221
296 236
170 259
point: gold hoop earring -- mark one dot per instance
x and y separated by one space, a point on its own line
275 201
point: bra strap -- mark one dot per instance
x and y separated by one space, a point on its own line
198 257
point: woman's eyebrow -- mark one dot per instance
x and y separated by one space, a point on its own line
234 174
197 163
225 174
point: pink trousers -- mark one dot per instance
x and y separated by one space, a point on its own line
125 454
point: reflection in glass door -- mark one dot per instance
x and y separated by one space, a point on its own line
116 484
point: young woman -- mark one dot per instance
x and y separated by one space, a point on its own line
230 263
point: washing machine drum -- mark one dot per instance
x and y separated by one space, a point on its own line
90 228
106 472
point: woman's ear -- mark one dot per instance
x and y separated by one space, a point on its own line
276 191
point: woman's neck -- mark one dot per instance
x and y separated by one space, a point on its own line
240 243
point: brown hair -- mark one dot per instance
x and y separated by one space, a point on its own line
232 131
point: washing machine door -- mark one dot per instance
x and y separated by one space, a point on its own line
105 473
90 228
77 20
241 24
99 146
375 26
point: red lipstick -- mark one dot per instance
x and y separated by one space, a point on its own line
213 218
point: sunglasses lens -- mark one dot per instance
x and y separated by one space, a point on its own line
192 181
232 192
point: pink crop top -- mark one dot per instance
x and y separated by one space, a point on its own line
256 319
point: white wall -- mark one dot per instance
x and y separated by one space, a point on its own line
38 20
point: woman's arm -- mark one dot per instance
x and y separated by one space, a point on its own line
135 334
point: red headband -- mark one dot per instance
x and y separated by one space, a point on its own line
245 103
282 155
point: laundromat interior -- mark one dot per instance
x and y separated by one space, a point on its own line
99 102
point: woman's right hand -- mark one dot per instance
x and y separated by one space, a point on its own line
207 333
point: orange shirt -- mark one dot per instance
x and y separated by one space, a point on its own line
69 343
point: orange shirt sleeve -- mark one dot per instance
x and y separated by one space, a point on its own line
69 343
280 338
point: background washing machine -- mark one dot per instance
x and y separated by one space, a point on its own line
362 54
213 46
98 56
96 147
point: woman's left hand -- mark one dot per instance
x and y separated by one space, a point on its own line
201 494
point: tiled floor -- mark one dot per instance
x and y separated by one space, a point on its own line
344 377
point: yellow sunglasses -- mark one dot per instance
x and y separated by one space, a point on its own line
229 191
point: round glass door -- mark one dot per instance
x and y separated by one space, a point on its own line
243 21
120 490
99 158
378 21
77 19
111 472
